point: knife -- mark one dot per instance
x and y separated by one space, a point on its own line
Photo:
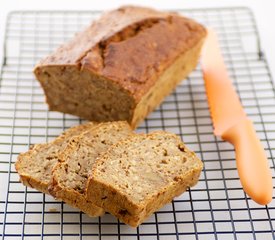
231 123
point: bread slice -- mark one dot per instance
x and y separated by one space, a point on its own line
35 166
71 174
140 174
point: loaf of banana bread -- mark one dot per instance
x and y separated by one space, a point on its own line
121 66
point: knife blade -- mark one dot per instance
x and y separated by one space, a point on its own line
231 123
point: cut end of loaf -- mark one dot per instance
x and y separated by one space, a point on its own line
86 95
142 173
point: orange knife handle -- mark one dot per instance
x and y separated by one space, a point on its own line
252 164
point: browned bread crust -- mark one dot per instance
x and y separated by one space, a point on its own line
140 174
122 66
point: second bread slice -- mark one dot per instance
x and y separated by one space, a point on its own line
71 174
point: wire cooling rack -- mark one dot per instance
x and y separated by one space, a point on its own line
216 208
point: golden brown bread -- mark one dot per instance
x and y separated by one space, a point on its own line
133 174
122 66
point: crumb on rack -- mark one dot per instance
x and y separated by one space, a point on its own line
52 210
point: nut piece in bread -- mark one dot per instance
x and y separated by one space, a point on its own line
122 66
140 174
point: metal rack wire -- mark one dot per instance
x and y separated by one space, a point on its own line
216 208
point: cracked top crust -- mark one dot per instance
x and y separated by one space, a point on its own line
130 46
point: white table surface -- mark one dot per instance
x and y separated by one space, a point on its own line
263 10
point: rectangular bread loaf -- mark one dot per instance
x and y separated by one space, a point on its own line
121 66
140 174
